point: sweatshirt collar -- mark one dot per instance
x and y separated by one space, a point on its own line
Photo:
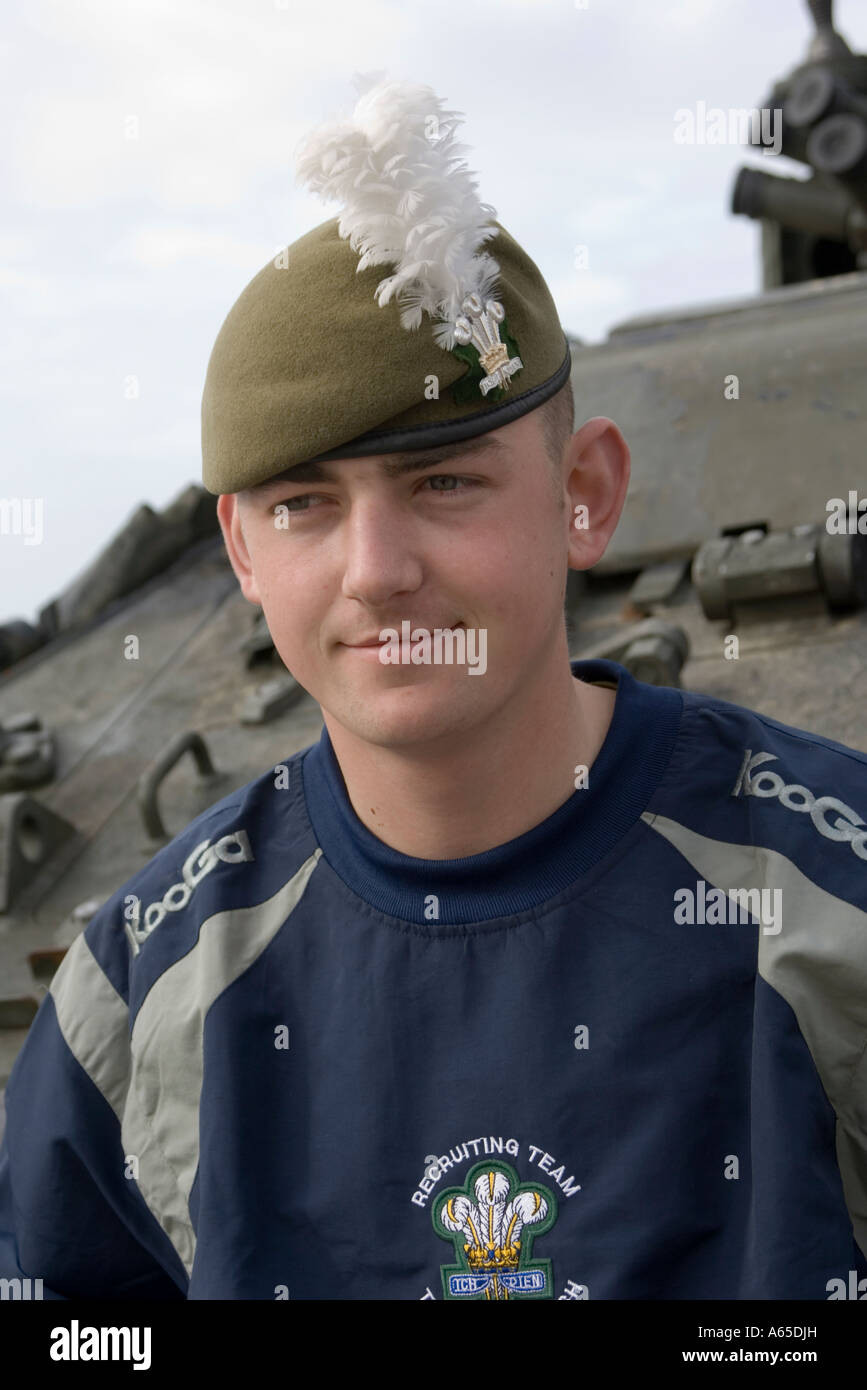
523 872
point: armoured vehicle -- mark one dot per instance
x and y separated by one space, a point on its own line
150 688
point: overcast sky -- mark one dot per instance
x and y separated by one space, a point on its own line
147 175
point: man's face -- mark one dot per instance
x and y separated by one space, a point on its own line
479 541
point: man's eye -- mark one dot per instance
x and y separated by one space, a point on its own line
451 478
451 482
290 502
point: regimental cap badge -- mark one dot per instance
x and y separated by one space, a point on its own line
409 201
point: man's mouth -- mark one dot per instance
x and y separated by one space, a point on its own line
377 641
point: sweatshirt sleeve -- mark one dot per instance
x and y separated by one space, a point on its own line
780 815
812 796
71 1213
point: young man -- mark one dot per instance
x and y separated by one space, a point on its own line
453 1004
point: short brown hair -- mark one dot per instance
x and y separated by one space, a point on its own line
557 420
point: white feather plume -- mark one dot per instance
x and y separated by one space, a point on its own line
408 199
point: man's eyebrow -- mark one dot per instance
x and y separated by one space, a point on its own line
391 466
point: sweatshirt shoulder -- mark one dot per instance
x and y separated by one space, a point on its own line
233 855
773 757
748 782
720 721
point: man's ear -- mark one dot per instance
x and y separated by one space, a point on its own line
229 516
595 476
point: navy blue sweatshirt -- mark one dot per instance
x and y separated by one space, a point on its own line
623 1056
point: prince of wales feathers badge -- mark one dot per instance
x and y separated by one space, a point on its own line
493 1235
410 201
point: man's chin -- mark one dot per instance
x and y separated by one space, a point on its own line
407 715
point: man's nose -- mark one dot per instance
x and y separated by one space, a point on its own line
380 558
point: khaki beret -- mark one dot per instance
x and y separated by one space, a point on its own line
308 366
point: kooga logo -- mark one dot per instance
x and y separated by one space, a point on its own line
797 798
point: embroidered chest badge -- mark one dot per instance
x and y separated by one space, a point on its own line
493 1221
